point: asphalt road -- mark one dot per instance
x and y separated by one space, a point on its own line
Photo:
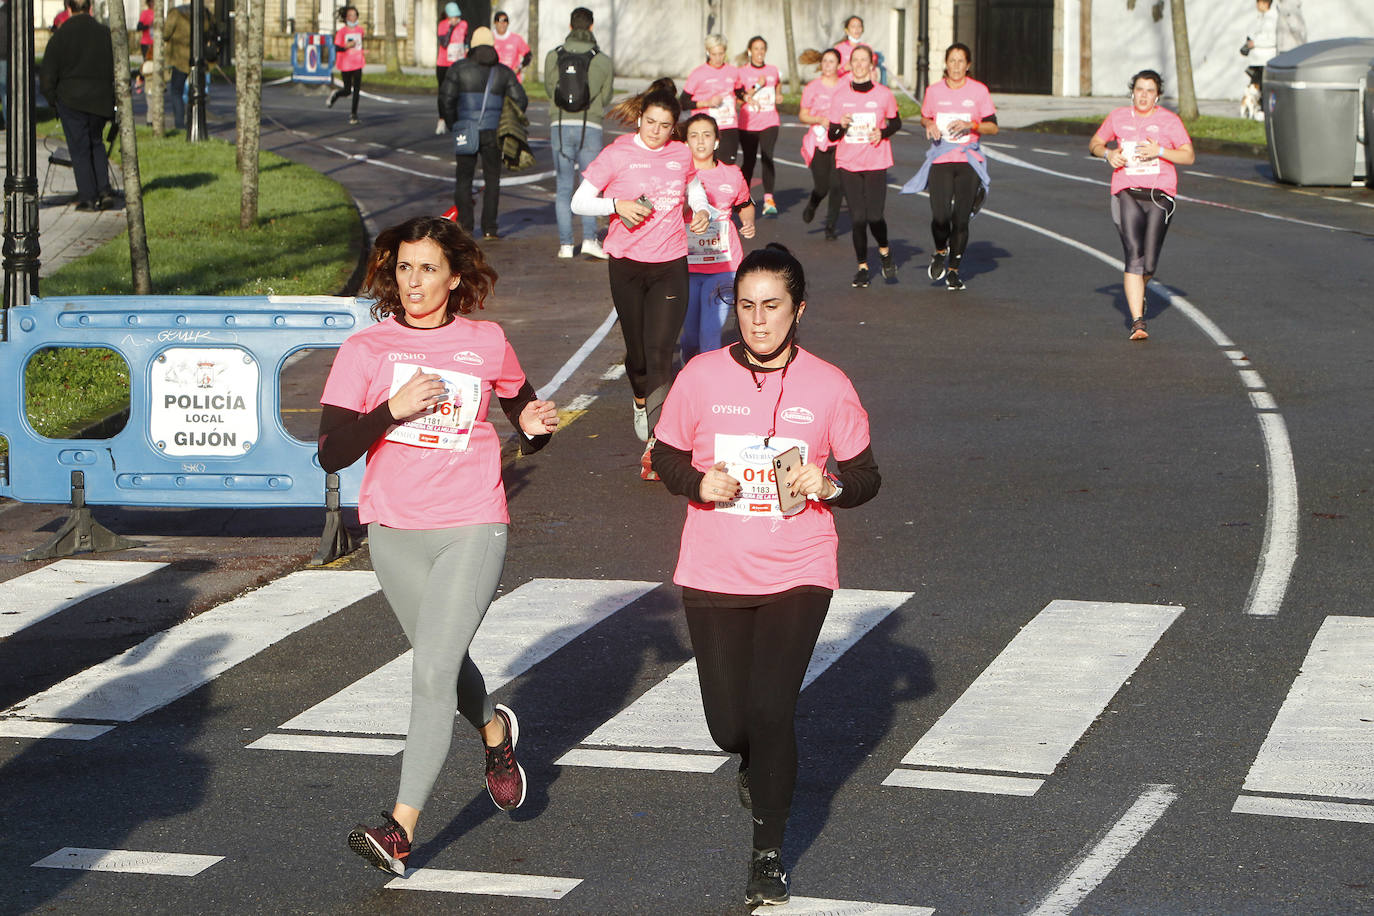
1120 589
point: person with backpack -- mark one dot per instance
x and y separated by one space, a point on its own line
578 75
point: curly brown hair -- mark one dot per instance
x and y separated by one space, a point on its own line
464 258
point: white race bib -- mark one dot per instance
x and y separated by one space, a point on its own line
943 119
713 245
1134 165
765 98
450 424
750 462
863 127
724 113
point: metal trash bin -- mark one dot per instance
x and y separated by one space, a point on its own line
1313 111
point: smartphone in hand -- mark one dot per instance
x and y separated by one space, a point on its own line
789 501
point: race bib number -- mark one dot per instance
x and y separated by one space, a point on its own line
765 98
455 51
1134 164
450 424
713 245
750 462
863 127
724 113
943 119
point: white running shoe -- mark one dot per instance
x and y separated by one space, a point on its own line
565 251
591 248
641 422
440 128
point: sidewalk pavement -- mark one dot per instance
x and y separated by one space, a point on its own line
64 233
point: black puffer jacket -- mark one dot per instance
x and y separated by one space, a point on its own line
460 97
78 67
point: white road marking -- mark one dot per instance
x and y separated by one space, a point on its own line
1028 708
21 728
1263 400
576 360
1322 741
1200 174
1251 379
642 760
998 145
669 714
615 372
363 158
1279 553
38 595
128 861
171 664
818 906
330 744
483 882
1048 152
1304 808
520 630
963 782
1099 861
581 402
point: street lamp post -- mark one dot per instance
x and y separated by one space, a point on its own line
922 48
21 247
196 128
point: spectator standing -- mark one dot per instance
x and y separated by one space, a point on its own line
176 34
453 35
78 79
579 76
471 99
145 38
511 49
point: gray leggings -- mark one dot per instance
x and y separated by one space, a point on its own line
439 584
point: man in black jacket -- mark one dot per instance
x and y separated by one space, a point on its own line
461 102
78 79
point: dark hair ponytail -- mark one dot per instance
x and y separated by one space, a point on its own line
775 258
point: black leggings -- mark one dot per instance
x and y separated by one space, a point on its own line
751 662
760 143
1142 218
825 181
651 303
867 194
352 84
729 145
439 74
953 187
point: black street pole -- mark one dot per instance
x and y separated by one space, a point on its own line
196 129
21 247
922 48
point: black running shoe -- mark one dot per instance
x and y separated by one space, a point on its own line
830 234
937 265
333 97
808 212
861 279
386 847
746 800
767 880
952 281
889 267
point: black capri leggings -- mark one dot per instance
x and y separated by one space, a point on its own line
729 145
1142 217
758 143
953 187
824 180
352 85
751 662
651 303
867 195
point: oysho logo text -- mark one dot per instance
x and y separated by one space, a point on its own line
406 357
733 409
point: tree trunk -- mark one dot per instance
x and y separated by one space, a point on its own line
128 149
413 30
532 39
153 84
250 111
314 16
1085 48
793 77
393 46
243 21
1187 97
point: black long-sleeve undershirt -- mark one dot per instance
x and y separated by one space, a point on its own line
346 435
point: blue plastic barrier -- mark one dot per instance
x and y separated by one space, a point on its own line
312 57
204 425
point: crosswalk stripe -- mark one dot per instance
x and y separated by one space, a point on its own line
175 662
1304 808
669 714
1322 743
128 861
1028 708
482 882
819 906
987 783
520 630
40 594
330 744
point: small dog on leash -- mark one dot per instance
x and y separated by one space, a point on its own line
1250 107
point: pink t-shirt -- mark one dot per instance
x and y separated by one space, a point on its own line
764 112
627 170
510 50
426 486
707 82
970 102
352 59
718 250
451 52
145 19
846 47
816 97
1129 128
855 151
715 411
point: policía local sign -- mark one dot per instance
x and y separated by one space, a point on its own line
204 402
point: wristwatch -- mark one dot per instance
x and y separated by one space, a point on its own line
834 482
